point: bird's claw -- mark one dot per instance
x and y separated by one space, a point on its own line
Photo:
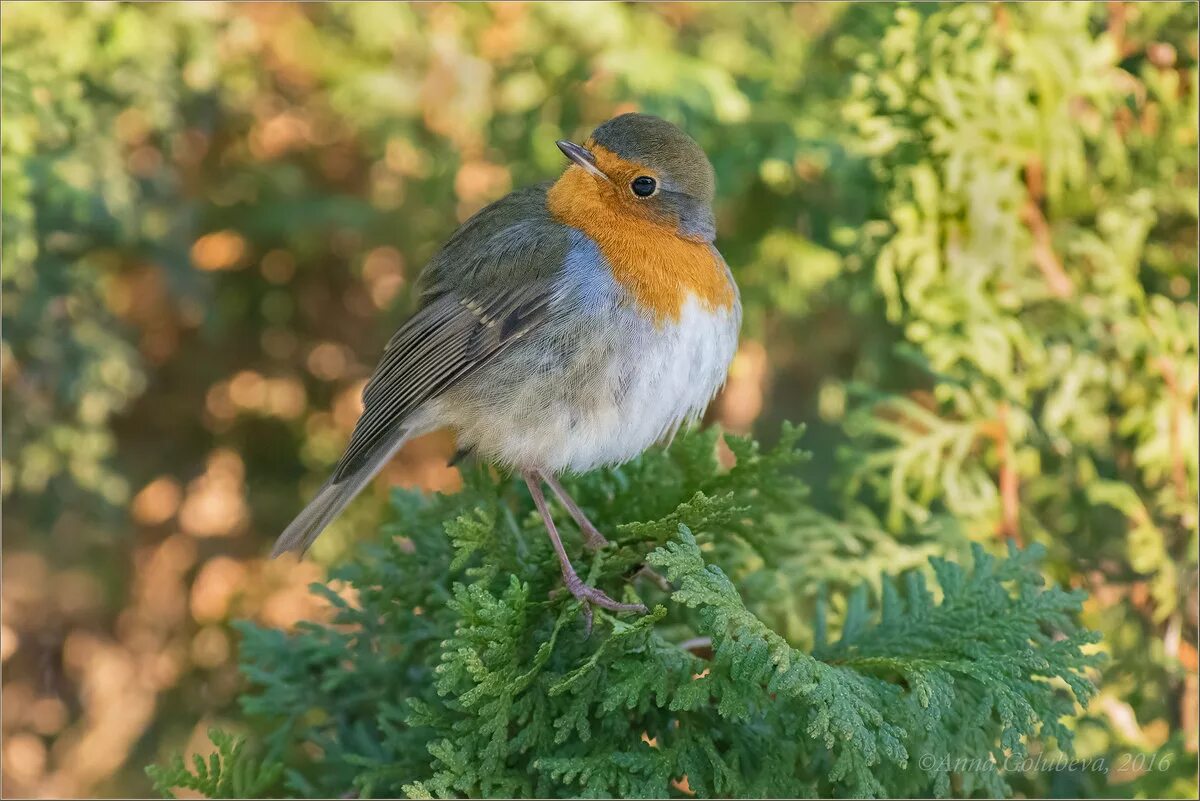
588 595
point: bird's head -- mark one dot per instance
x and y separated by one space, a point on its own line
643 168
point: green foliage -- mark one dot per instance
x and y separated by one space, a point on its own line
1019 262
1037 252
453 667
68 209
230 771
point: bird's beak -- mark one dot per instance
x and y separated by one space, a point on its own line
581 156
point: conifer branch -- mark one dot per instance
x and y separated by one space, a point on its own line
456 673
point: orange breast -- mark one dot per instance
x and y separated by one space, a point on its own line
659 268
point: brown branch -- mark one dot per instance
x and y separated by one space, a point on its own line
1000 17
1035 179
1116 25
1180 399
1010 488
1043 251
1043 247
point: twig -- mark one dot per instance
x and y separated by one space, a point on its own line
1043 248
1116 25
697 644
1010 488
1000 17
1180 403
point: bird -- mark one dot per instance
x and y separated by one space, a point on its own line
568 326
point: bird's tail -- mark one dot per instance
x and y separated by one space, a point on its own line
334 496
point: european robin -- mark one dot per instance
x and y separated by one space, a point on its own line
566 326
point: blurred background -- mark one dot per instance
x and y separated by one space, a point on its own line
965 237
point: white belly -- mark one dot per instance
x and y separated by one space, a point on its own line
625 385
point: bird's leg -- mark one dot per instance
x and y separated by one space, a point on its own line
584 592
593 540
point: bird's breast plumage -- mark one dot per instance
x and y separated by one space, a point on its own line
602 382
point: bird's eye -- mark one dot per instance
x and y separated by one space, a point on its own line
643 186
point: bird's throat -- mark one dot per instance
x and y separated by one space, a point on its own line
659 268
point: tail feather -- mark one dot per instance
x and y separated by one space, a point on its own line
333 497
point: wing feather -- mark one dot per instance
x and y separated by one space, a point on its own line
449 338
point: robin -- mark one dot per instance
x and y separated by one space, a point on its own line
567 326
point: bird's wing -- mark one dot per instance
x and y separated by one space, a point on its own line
491 285
512 242
495 282
443 343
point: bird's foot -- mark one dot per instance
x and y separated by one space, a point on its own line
589 595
